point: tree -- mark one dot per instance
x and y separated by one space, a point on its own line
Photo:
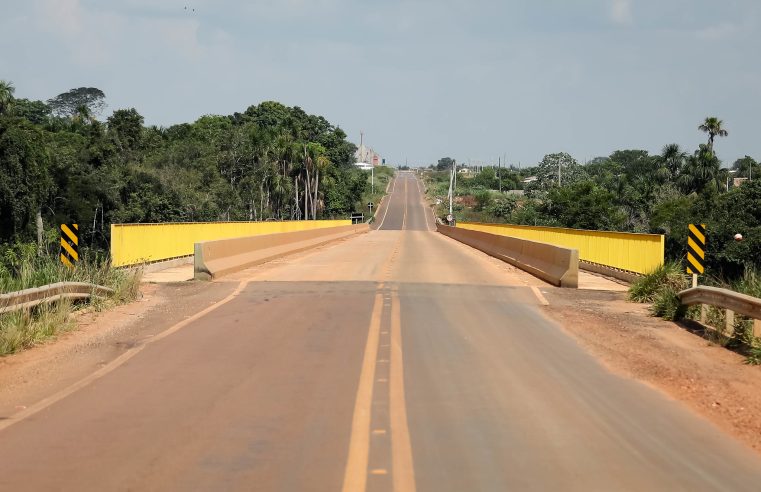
702 169
583 205
746 167
6 96
503 207
487 179
69 104
36 112
714 128
126 126
25 183
558 170
672 161
444 164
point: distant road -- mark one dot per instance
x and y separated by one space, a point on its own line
396 360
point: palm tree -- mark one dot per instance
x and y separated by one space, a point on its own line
672 160
6 96
701 169
713 127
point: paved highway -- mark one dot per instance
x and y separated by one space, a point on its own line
396 360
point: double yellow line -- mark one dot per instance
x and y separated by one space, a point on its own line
402 472
402 466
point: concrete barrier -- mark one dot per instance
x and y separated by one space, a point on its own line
554 264
628 277
216 258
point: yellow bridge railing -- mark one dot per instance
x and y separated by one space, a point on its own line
639 253
142 243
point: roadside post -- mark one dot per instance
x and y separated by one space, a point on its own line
357 218
696 254
69 244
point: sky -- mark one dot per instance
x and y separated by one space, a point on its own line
469 79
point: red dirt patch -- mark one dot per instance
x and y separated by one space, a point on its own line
711 380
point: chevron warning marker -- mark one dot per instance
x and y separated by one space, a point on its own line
69 244
696 249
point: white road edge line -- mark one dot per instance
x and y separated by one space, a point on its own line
542 300
114 364
388 204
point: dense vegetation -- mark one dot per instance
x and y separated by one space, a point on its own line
630 190
59 163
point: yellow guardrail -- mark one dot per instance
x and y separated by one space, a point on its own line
639 253
141 243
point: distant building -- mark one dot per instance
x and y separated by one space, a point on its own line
365 154
530 179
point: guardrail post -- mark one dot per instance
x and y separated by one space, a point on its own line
729 322
703 314
757 328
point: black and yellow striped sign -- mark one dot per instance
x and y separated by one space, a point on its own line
69 244
696 249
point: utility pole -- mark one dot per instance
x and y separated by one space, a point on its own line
451 179
454 188
499 173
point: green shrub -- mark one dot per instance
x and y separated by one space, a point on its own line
666 304
669 276
754 357
503 207
749 284
483 200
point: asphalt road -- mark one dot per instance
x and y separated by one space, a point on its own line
397 360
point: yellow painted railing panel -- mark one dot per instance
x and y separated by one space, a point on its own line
141 243
640 253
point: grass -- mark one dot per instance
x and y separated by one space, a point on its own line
662 286
21 268
383 175
24 329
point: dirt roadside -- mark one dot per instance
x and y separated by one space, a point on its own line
712 381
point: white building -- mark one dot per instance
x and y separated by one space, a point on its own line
366 155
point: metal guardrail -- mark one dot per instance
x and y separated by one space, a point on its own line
25 299
733 302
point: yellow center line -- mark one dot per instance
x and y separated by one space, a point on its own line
355 474
401 450
404 219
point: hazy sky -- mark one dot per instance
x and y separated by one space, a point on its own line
424 79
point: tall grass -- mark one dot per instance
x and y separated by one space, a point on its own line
662 286
22 268
649 287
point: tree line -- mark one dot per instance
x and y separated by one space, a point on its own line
60 163
631 191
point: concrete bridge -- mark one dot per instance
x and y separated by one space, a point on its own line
398 359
